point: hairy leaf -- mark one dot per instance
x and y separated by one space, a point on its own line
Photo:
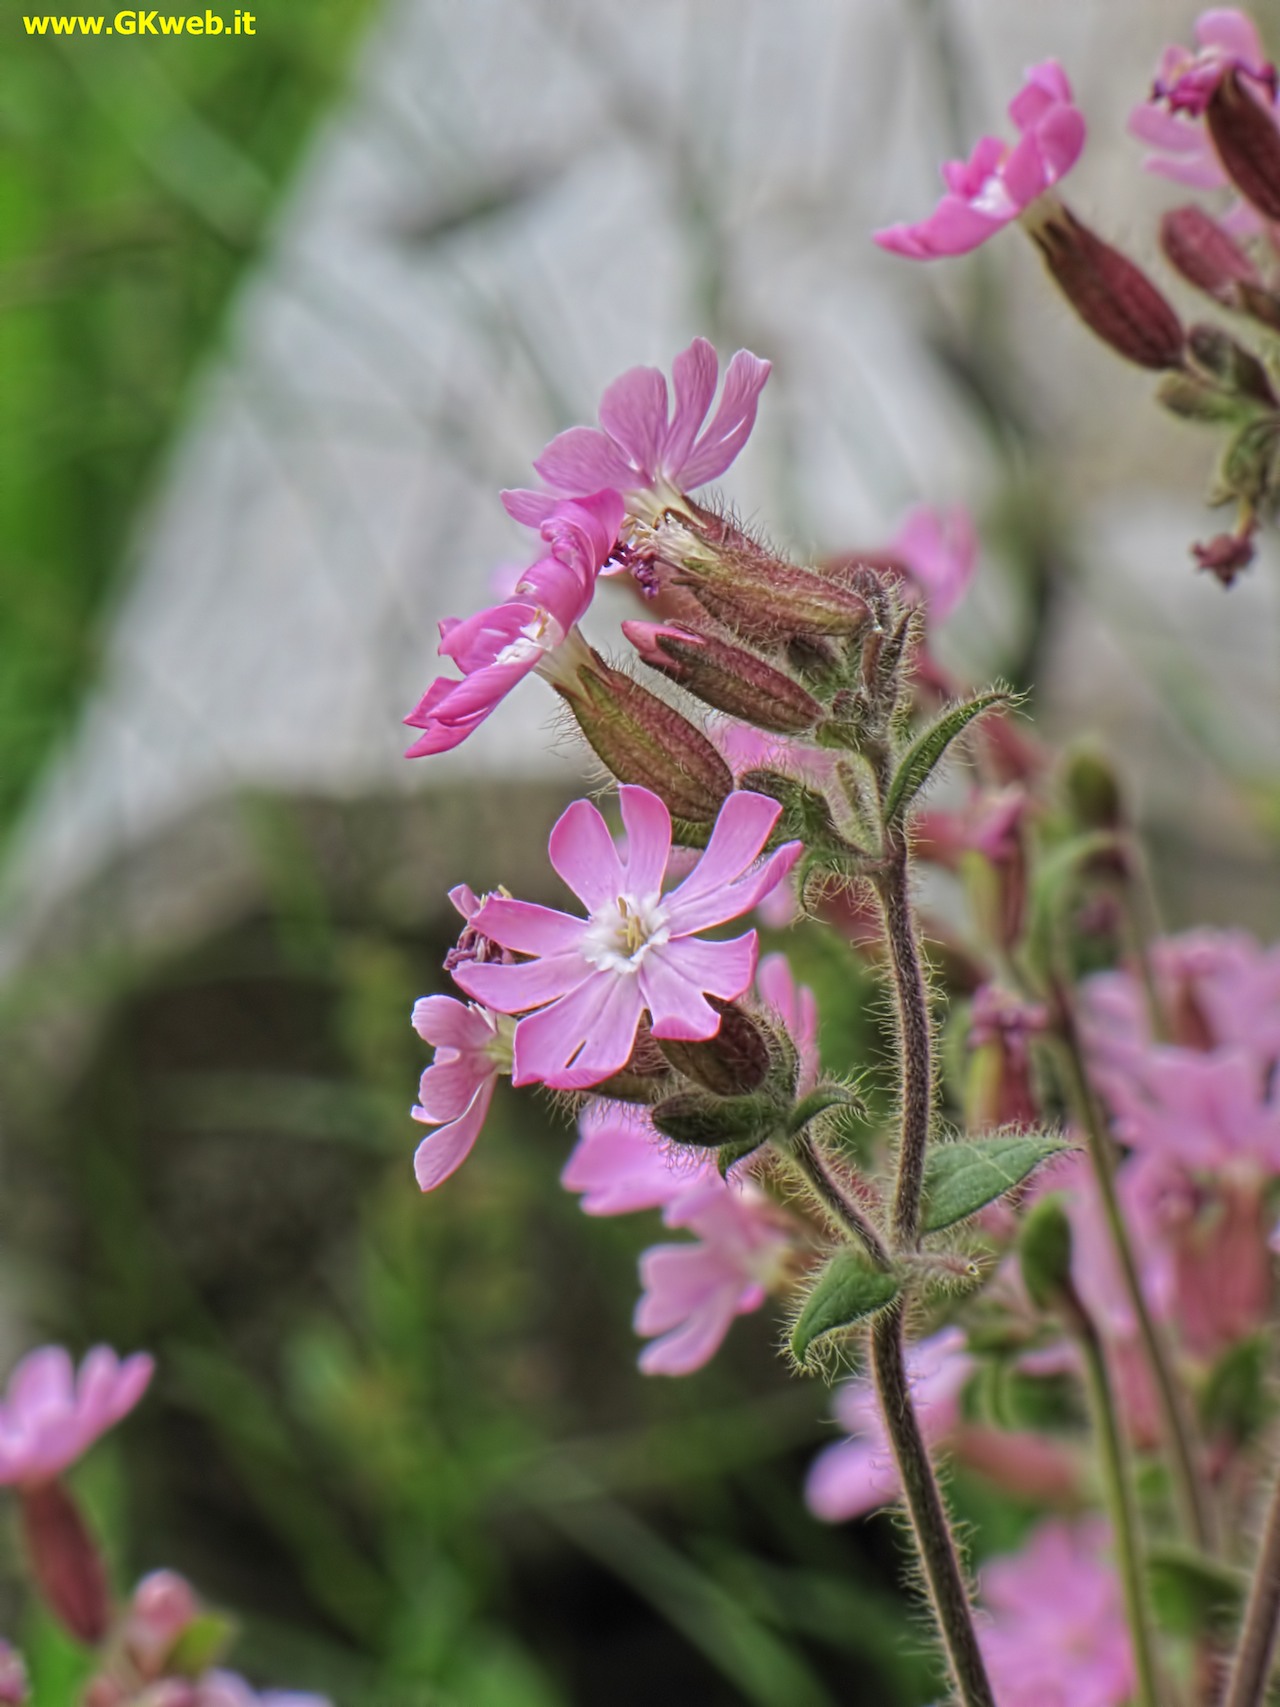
963 1177
926 751
847 1290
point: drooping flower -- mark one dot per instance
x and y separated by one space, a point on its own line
651 455
1056 1634
473 1049
591 979
51 1414
533 630
693 1291
1228 42
998 182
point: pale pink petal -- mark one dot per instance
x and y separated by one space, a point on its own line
696 1342
619 1165
583 460
694 374
583 855
1234 32
44 1380
1046 86
443 1151
633 411
852 1478
741 830
448 1086
648 826
528 507
449 1024
677 1007
1160 128
512 989
730 426
527 928
723 969
581 1039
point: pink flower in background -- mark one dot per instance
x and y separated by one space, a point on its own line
1228 41
857 1475
51 1415
1056 1635
638 949
643 452
939 550
692 1292
499 647
15 1688
998 182
473 1049
229 1689
795 1006
620 1164
163 1606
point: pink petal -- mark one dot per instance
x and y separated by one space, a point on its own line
527 928
694 373
449 1024
583 460
648 826
731 425
447 1087
1160 128
512 989
633 411
133 1377
528 507
677 1279
1046 86
692 1346
954 228
443 1151
582 853
677 1007
850 1479
735 899
1233 32
45 1379
581 1039
741 830
723 969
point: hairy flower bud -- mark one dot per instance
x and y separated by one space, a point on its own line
710 1122
726 677
735 1060
65 1561
1115 299
1247 142
643 740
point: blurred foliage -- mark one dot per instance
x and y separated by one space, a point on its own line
139 177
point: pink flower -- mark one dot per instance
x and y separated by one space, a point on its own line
650 458
51 1415
164 1605
1056 1635
15 1689
591 979
499 647
473 1048
1228 42
795 1006
692 1292
229 1689
997 182
620 1165
857 1475
938 549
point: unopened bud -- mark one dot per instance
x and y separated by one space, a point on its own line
709 1122
1044 1250
735 1060
1247 143
1093 790
65 1561
806 813
1226 554
1236 369
164 1605
1208 256
728 678
1250 465
1115 299
643 740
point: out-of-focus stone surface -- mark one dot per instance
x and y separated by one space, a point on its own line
519 199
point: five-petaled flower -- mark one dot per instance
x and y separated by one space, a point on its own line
643 450
498 647
51 1414
583 992
997 182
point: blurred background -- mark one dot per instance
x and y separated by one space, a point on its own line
280 316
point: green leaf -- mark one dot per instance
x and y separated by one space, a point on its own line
923 755
1193 1595
847 1290
819 1101
1236 1400
962 1177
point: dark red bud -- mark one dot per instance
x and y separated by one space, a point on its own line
65 1561
1115 299
728 678
1206 255
1247 142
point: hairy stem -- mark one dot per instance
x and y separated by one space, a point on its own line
915 1044
1255 1652
1195 1508
1118 1488
804 1153
948 1593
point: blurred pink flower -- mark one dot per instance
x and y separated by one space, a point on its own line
229 1689
692 1292
641 453
50 1415
621 1164
1056 1634
939 549
998 182
795 1006
1228 41
164 1604
473 1049
498 647
15 1688
855 1476
591 979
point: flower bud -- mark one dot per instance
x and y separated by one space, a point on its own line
164 1605
1247 142
1226 554
1115 299
710 1122
65 1561
1093 791
806 813
1236 369
735 1060
727 678
1208 256
641 739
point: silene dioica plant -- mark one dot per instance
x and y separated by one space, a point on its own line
1074 1293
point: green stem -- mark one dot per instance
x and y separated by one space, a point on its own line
1194 1506
915 1044
1255 1651
1118 1489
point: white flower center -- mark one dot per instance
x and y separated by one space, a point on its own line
622 932
542 633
